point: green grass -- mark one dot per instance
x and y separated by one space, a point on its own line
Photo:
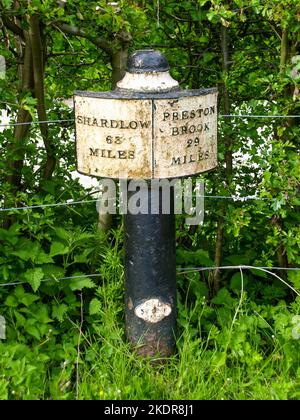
199 370
233 348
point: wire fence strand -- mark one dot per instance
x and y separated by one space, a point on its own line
36 122
41 206
71 203
250 267
229 267
220 115
256 116
180 271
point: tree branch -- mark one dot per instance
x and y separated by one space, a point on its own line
284 47
16 150
12 26
39 91
75 30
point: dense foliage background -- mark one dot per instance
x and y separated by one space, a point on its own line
64 330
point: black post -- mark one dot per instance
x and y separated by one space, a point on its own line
150 279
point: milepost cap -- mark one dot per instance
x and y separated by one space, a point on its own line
146 61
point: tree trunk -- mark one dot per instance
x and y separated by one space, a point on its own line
118 62
284 50
214 278
16 151
39 60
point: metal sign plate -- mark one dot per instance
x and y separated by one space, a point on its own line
144 137
113 137
185 135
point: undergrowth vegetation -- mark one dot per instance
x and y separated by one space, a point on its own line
67 340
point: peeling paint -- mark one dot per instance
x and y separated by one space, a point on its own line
153 310
130 304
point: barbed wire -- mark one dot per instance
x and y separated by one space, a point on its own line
219 115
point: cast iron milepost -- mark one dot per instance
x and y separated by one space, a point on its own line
147 128
150 264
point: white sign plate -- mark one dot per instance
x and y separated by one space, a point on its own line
113 137
144 138
185 136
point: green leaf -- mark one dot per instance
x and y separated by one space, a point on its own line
80 282
32 251
43 258
32 330
7 3
218 360
236 259
223 298
62 233
197 286
58 248
11 301
59 311
53 271
42 315
28 298
294 278
25 254
19 291
95 306
198 257
10 235
34 277
83 257
236 281
259 273
21 320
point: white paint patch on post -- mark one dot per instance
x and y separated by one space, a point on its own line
153 310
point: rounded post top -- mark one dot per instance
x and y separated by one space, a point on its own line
147 61
147 71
